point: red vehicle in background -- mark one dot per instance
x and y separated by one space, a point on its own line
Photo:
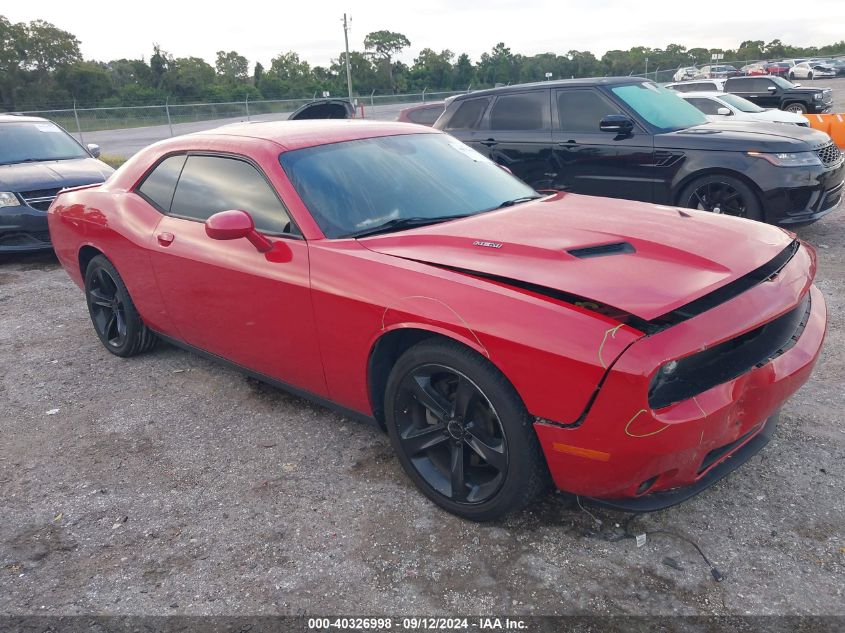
628 352
753 69
778 68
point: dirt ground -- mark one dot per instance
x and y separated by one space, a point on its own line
166 484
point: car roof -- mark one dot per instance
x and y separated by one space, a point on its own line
557 83
702 93
17 118
291 135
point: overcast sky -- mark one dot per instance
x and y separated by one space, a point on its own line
260 30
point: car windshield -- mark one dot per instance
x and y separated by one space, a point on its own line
355 187
29 141
743 105
781 82
662 108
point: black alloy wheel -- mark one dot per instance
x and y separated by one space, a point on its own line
451 433
461 431
722 194
108 311
116 321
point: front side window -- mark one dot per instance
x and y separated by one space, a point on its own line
582 110
35 141
353 187
159 185
468 115
745 85
743 105
524 111
210 184
660 107
706 106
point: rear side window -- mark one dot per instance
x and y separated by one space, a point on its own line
761 83
159 185
523 111
707 106
210 184
425 116
582 110
468 115
740 83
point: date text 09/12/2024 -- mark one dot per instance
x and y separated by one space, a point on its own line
417 624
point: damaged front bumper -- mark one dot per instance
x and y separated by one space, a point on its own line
628 456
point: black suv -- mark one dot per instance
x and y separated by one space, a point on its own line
777 92
628 138
37 159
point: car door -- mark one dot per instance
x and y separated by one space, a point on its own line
516 133
226 297
593 162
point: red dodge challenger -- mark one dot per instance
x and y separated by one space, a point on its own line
632 354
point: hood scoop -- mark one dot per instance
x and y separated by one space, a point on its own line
603 250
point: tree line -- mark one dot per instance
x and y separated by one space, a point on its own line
41 67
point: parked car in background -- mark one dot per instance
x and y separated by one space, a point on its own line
683 74
812 70
625 137
753 69
717 106
720 71
778 68
391 272
698 85
324 109
37 160
423 114
839 66
777 92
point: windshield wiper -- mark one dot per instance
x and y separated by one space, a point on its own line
510 203
400 224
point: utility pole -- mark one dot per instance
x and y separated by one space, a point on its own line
348 70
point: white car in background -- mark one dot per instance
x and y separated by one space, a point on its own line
812 70
685 73
724 106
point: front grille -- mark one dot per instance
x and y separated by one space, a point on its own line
721 363
829 154
40 199
831 198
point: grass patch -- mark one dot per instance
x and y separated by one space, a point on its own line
112 160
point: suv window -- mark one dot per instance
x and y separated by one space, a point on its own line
582 110
210 184
468 115
744 84
707 106
160 183
523 111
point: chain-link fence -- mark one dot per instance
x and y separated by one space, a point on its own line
82 120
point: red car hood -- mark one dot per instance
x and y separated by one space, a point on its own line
677 255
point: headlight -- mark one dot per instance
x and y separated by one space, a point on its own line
8 199
795 159
818 96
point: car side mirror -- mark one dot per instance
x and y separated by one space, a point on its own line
772 88
617 123
723 111
94 150
233 225
797 85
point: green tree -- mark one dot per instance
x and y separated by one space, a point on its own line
257 74
160 64
432 70
12 53
384 45
88 82
232 67
189 78
463 72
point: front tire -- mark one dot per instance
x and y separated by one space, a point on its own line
116 321
719 193
462 433
796 108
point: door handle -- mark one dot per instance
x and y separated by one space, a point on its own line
567 143
165 239
490 142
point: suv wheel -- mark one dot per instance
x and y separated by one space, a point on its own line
796 108
719 193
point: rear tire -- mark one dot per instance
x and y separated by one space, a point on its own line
721 193
113 315
462 433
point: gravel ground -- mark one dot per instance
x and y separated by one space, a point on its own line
166 484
